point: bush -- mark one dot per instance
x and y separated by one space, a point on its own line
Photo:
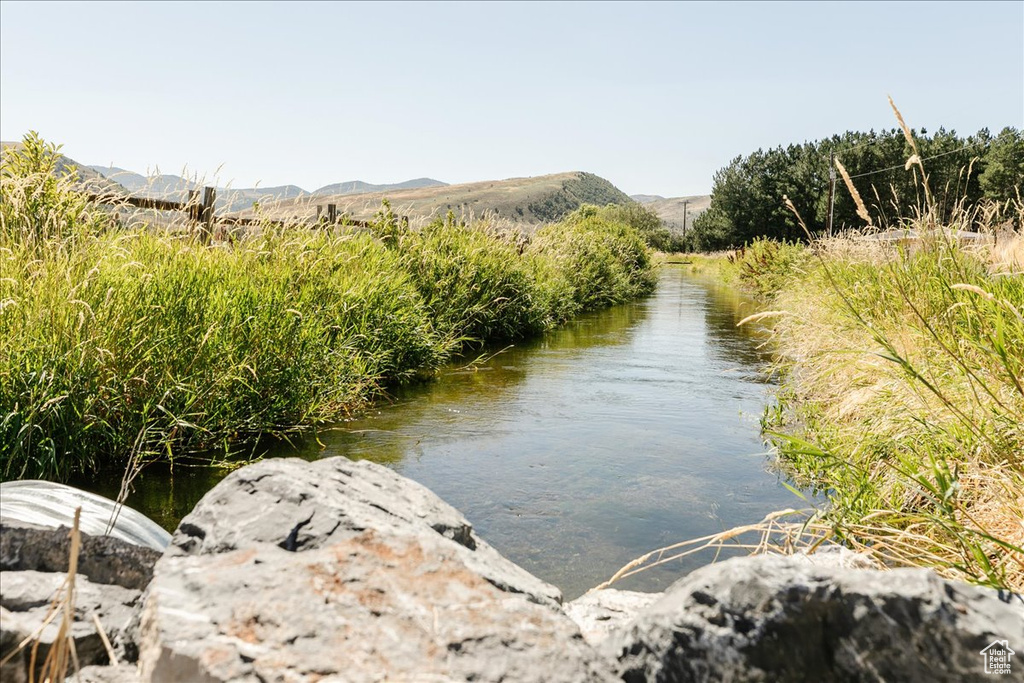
593 261
476 287
764 266
118 347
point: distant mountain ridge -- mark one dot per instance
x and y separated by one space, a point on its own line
525 201
674 211
176 188
359 187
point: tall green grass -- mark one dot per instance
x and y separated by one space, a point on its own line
902 388
126 346
475 285
904 383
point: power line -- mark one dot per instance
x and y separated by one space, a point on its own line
934 156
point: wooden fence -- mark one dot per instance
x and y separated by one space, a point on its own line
201 216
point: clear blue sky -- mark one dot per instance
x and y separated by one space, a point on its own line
654 97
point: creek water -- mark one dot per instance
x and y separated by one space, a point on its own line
624 431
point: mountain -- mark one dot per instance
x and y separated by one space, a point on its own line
359 187
671 209
176 188
527 201
645 198
88 179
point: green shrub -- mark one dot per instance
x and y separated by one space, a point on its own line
765 265
599 262
476 286
120 346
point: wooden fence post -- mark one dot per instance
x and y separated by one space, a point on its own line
209 197
192 209
319 219
332 213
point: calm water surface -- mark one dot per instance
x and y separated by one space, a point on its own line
624 431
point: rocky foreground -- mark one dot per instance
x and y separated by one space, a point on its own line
345 571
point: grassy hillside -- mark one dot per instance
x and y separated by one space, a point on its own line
359 187
670 209
122 346
88 179
527 201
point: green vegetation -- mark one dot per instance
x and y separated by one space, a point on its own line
903 401
901 360
127 346
746 200
902 398
578 190
589 261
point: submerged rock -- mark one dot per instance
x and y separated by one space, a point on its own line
773 618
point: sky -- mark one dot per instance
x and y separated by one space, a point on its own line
654 97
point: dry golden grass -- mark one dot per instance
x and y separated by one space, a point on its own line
862 210
61 655
1007 255
903 397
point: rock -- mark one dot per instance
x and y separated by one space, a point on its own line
25 599
371 605
123 673
103 559
48 504
12 632
835 556
301 506
600 612
774 618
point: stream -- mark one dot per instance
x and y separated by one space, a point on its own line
624 431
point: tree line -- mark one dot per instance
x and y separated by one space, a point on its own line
747 195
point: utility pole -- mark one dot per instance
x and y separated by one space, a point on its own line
686 203
831 190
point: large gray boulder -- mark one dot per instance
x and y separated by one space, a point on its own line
25 601
773 618
300 506
295 570
102 559
371 606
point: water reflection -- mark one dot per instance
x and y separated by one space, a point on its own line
623 431
626 430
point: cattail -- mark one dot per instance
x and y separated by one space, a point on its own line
862 210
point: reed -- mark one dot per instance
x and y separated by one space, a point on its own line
123 345
61 655
902 393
